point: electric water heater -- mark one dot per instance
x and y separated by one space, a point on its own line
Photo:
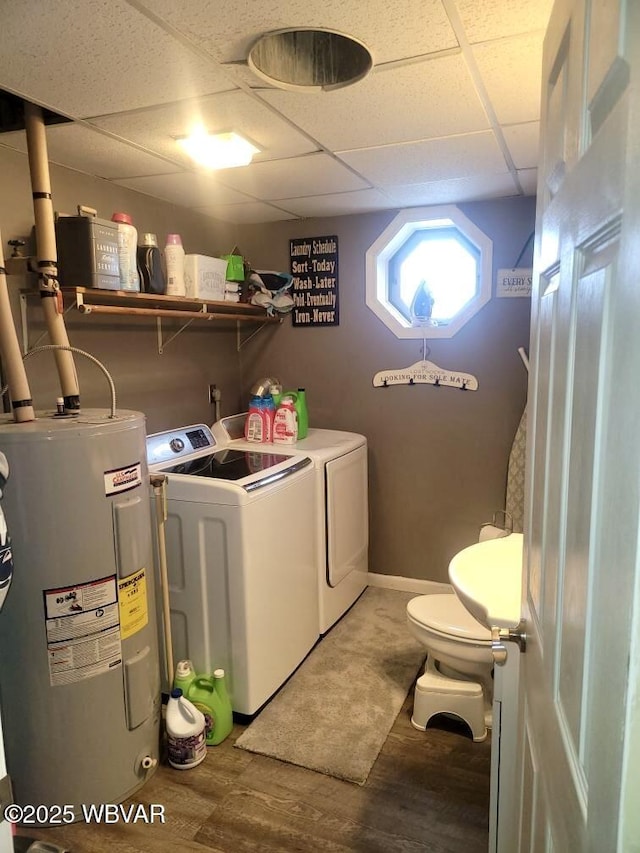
79 673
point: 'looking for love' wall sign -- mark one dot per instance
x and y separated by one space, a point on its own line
314 267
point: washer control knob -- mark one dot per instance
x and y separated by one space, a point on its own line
176 444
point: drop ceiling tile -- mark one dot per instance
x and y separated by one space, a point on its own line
433 160
502 62
246 214
422 100
523 143
85 150
484 20
528 180
337 204
451 192
227 29
312 174
190 189
156 129
91 57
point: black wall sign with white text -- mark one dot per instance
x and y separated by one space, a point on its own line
314 267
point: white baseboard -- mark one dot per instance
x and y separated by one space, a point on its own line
420 587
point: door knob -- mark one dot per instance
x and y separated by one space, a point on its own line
500 636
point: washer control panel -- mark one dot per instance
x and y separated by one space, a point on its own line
182 443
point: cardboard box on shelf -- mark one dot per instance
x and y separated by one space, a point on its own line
204 277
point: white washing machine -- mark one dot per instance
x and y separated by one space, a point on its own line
240 539
341 510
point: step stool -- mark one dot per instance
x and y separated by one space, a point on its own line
437 694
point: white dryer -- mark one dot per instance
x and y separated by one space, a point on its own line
240 539
341 510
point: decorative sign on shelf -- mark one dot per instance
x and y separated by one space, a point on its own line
314 267
516 282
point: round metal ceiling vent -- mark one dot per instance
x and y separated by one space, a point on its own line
309 60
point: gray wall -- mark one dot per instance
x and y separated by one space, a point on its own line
438 456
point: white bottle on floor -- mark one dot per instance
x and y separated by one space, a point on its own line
186 732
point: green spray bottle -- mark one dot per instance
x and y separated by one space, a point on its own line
209 695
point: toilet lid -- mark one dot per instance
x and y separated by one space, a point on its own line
446 614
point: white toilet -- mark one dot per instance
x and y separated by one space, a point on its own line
458 676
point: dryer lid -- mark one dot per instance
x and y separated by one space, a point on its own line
446 614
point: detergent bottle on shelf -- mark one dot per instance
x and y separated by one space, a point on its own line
276 392
285 425
254 424
269 413
127 252
299 398
174 262
303 414
209 695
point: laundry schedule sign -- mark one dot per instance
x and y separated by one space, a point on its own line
314 267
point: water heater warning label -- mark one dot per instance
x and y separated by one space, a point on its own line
83 630
132 596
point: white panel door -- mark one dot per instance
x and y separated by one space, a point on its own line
580 715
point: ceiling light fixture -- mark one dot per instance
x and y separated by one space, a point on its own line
309 59
218 150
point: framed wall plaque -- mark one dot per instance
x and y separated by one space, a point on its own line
314 267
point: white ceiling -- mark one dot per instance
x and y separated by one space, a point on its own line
449 113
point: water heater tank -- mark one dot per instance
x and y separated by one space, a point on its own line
79 672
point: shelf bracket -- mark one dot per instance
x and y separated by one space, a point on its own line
162 344
240 343
24 323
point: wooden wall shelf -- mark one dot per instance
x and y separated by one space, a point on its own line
92 300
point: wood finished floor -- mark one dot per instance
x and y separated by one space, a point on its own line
428 791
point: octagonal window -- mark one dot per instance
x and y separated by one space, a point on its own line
429 272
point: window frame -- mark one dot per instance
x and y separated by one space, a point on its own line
400 231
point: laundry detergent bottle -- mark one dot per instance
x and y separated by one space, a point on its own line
150 265
174 262
285 424
183 676
299 398
209 695
127 252
302 412
269 414
254 424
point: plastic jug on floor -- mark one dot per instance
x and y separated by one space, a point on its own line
185 725
209 695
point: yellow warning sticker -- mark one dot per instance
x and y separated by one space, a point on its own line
132 599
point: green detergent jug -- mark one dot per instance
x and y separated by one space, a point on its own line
183 676
300 402
209 695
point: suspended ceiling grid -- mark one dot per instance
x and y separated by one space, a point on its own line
449 112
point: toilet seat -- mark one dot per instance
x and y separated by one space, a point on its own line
444 614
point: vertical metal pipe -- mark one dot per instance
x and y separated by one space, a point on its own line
19 393
159 485
50 295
